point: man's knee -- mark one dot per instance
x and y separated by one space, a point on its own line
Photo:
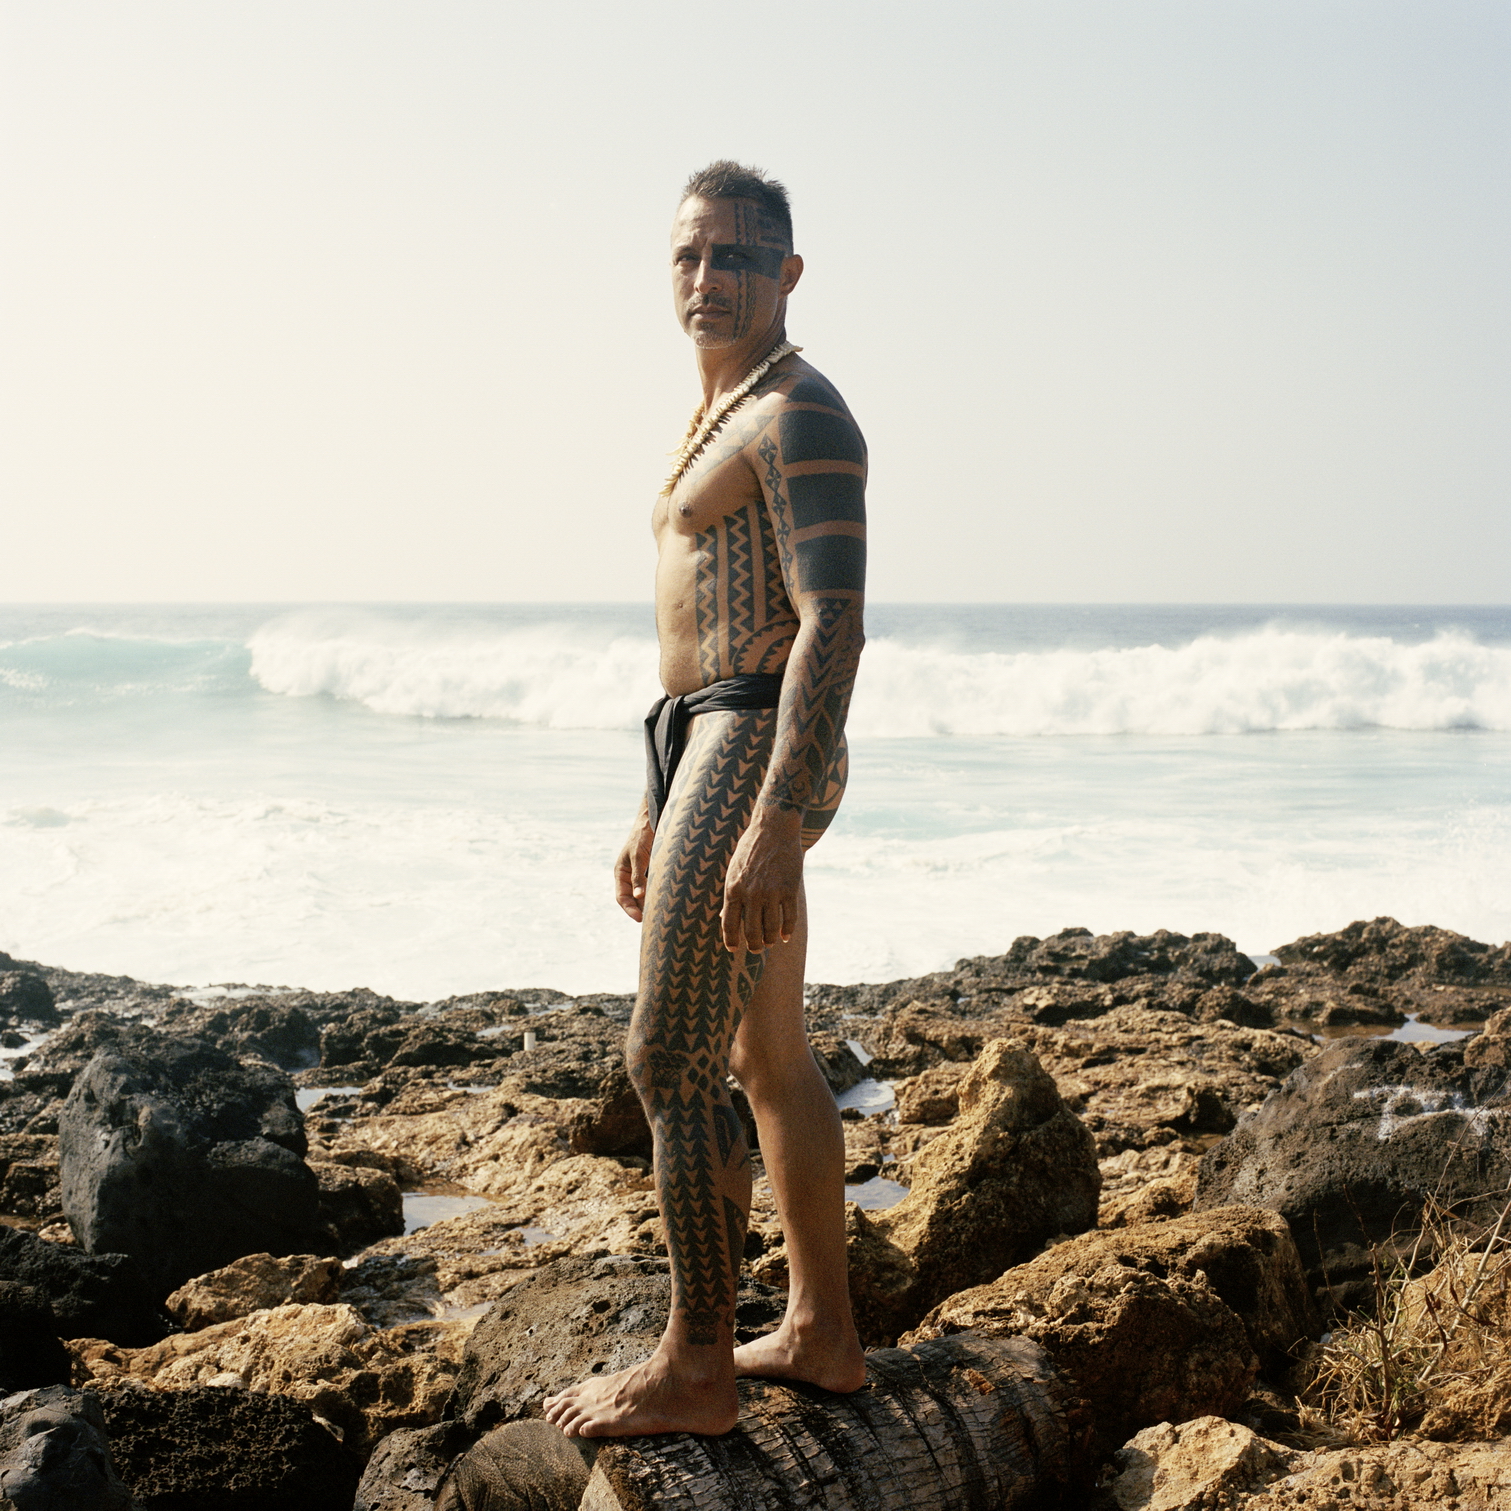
767 1070
657 1072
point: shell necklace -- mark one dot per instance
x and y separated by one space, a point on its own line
701 428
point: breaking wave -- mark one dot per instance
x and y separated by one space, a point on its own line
1271 679
566 675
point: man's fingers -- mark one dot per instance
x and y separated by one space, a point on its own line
771 923
732 921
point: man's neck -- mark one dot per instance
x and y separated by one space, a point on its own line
723 368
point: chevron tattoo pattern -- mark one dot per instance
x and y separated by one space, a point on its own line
693 995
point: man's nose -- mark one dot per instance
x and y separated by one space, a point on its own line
708 279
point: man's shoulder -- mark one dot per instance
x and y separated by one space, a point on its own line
810 419
803 385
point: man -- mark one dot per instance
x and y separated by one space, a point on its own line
759 591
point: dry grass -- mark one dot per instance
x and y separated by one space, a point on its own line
1434 1358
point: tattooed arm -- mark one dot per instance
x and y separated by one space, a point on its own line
812 467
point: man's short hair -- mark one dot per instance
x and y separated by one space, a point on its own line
727 179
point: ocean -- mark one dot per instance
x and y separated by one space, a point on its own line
426 800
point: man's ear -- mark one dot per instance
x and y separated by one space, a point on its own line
792 270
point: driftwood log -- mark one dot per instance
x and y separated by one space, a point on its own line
956 1424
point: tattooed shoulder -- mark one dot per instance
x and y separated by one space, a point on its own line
812 465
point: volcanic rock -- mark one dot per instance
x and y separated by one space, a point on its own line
54 1455
219 1449
30 1354
91 1295
572 1319
983 983
1146 1185
612 1122
1383 950
406 1468
26 998
1198 1464
276 1030
361 1381
1492 1047
840 1065
1348 1149
1015 1168
1158 1323
932 1097
29 1176
254 1283
1136 1075
185 1158
358 1205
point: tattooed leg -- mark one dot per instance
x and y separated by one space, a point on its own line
693 993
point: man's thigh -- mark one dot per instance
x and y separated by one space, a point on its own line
690 985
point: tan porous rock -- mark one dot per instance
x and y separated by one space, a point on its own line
495 1143
1407 1475
1163 1322
362 1381
253 1284
1147 1185
1492 1046
931 1097
1207 1464
1015 1168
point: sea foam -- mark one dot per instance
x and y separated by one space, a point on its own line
1269 679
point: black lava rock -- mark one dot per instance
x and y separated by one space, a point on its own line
210 1449
90 1295
179 1155
26 998
31 1355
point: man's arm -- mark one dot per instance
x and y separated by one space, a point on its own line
811 462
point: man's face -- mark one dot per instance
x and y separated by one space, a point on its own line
730 270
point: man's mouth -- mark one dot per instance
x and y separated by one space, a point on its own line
709 309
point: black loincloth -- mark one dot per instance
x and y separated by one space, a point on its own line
666 725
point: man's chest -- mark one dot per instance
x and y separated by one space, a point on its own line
710 501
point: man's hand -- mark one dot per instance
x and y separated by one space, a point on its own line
761 887
631 868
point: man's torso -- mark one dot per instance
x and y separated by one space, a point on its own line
723 604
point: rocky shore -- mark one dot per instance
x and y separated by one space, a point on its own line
305 1251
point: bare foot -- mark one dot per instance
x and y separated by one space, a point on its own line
651 1397
832 1361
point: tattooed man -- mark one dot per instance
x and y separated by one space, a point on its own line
759 591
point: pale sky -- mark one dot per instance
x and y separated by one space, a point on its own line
1162 300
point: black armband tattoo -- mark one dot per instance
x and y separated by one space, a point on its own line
810 435
831 563
818 497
